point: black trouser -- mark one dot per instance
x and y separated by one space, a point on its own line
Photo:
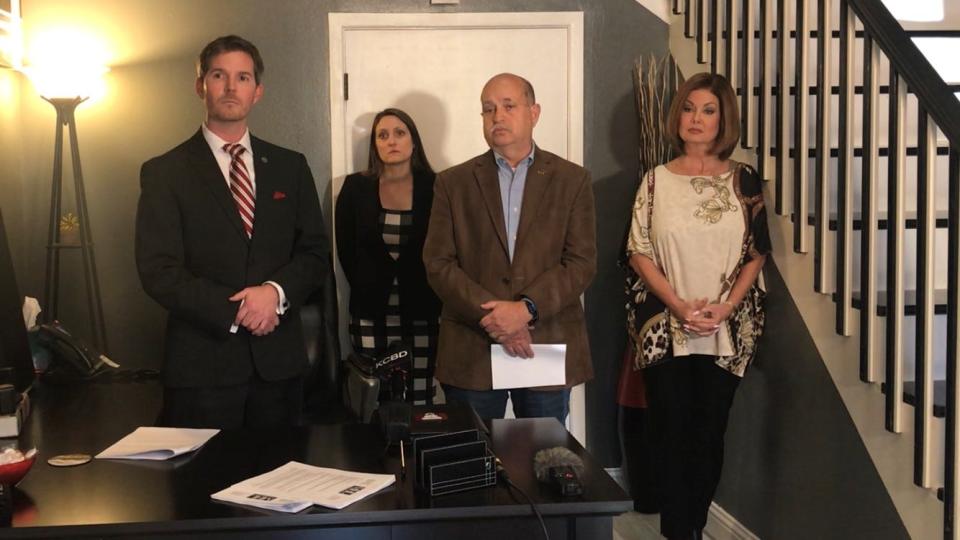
256 404
689 399
638 465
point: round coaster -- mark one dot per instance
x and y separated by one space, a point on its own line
69 460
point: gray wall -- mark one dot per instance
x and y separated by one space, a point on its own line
795 466
151 107
11 165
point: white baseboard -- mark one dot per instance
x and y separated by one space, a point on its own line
720 524
723 526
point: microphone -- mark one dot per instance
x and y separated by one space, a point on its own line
558 456
560 467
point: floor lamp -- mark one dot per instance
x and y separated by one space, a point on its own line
84 242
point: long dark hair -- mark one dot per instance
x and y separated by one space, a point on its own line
418 161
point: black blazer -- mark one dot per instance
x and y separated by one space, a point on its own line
368 266
192 255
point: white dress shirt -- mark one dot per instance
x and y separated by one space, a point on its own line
223 160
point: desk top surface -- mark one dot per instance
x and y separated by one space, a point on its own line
128 497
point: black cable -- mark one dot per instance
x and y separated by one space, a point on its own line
502 473
65 376
136 375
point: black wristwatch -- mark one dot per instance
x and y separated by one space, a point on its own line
532 308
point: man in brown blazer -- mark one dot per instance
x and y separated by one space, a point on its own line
510 248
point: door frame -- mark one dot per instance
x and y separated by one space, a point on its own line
340 23
570 22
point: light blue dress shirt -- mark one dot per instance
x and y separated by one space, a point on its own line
512 182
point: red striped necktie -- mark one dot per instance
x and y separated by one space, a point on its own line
240 186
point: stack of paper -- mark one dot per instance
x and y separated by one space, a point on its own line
158 443
295 486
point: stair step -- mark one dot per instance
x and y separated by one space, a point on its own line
939 396
942 220
882 151
909 302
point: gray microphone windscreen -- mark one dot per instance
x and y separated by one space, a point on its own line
544 460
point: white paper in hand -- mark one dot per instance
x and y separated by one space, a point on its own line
546 368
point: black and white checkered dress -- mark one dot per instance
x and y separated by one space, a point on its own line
369 336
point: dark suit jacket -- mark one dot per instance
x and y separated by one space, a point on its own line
468 263
192 255
368 266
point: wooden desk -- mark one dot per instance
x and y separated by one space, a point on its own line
119 499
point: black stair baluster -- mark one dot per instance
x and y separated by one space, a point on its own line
800 141
763 103
895 232
702 21
782 109
821 224
730 44
689 20
715 36
843 262
748 101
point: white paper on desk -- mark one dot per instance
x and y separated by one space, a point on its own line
158 443
546 368
295 486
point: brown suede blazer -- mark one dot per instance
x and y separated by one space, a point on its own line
468 264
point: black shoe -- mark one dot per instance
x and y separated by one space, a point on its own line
646 506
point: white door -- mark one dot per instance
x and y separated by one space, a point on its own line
433 66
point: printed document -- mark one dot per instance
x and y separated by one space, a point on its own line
295 486
546 368
158 443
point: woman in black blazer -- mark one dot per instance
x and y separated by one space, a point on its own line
381 222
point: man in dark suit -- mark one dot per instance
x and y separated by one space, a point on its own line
230 241
510 248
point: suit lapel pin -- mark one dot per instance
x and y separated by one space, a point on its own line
263 159
541 172
279 195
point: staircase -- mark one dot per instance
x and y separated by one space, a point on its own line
868 185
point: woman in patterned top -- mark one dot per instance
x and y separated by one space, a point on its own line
698 242
381 222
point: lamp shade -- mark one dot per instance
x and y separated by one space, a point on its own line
67 81
66 62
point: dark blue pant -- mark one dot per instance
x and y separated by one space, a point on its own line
689 400
527 403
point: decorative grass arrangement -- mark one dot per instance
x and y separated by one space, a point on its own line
655 81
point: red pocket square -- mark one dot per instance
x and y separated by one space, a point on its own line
278 195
